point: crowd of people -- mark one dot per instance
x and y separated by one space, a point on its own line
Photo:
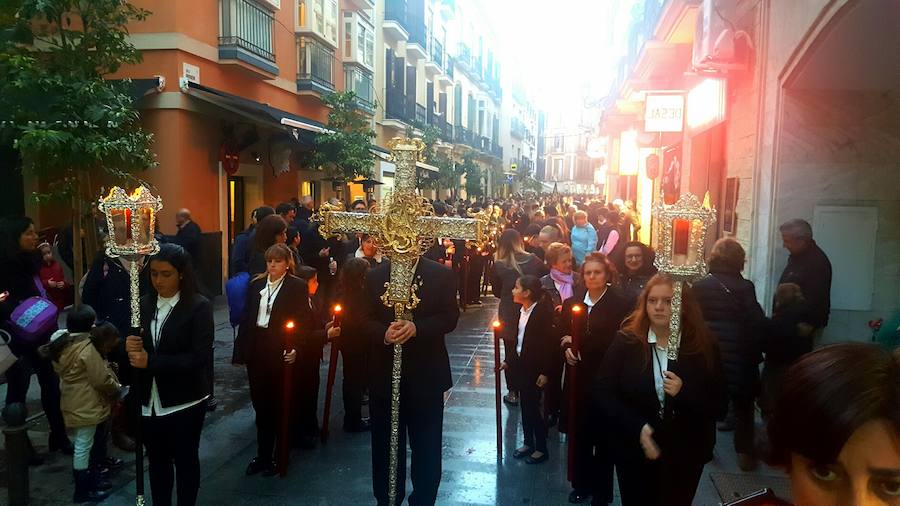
585 330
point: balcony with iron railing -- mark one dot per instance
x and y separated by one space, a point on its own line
359 82
517 129
437 53
246 35
421 115
315 66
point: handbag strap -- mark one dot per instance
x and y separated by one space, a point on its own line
40 286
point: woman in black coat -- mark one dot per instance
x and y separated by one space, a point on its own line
660 414
276 320
510 262
606 307
19 266
531 362
307 375
172 354
352 342
729 306
636 267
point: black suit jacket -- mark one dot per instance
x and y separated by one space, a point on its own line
188 237
624 395
540 347
426 364
179 364
600 326
291 304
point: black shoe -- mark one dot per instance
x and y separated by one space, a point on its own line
522 452
361 426
537 460
576 497
270 470
258 465
99 481
211 403
84 490
112 463
511 398
61 443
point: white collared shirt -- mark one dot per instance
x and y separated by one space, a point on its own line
591 303
164 308
660 364
524 315
267 298
378 256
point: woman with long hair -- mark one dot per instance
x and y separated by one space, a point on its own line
261 345
531 363
635 263
351 341
510 262
172 356
271 230
661 414
604 307
19 266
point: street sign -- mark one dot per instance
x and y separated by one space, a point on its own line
664 112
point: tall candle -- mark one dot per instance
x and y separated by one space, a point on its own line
337 315
577 311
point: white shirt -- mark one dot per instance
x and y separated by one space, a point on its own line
591 303
267 298
164 307
524 315
660 365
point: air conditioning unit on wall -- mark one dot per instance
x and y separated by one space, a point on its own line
719 47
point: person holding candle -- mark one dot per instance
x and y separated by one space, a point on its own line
265 343
510 262
660 414
601 307
531 363
559 286
352 342
172 355
306 376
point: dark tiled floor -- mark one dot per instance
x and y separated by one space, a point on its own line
339 472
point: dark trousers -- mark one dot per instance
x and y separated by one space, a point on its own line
593 472
421 419
266 384
509 350
18 378
744 426
473 282
553 393
533 424
306 385
173 444
667 482
353 386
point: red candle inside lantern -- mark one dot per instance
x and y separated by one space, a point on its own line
128 223
682 236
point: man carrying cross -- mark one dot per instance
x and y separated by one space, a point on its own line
412 307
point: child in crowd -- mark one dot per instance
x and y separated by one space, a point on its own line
87 386
53 279
788 339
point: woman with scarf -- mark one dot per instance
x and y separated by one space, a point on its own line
510 262
559 287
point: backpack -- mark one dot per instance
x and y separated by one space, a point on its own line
236 291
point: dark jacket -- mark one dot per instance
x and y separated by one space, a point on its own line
107 289
353 338
179 365
240 252
785 340
291 304
540 348
188 237
812 271
502 282
633 284
426 364
734 316
600 326
624 395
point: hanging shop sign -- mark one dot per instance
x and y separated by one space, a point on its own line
671 181
664 112
706 105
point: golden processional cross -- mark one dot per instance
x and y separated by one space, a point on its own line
403 228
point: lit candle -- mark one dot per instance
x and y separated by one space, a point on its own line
577 311
681 241
337 315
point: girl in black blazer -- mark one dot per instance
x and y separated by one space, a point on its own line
275 322
172 354
306 375
661 414
529 360
605 307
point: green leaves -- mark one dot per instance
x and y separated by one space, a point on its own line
346 153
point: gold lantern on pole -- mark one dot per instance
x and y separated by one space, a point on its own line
131 219
683 230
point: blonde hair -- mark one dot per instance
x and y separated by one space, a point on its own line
556 251
279 251
510 248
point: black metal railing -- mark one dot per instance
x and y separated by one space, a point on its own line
437 52
421 114
248 26
517 129
395 107
316 63
360 83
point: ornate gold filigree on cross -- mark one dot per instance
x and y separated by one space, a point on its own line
403 227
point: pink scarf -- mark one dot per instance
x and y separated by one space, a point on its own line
564 281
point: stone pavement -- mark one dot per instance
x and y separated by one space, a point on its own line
338 473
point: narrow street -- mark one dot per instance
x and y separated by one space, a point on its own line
338 473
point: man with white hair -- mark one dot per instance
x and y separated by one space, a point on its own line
808 267
188 236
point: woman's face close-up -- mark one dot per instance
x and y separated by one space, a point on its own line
28 241
165 278
659 304
595 275
634 258
564 263
865 473
276 267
